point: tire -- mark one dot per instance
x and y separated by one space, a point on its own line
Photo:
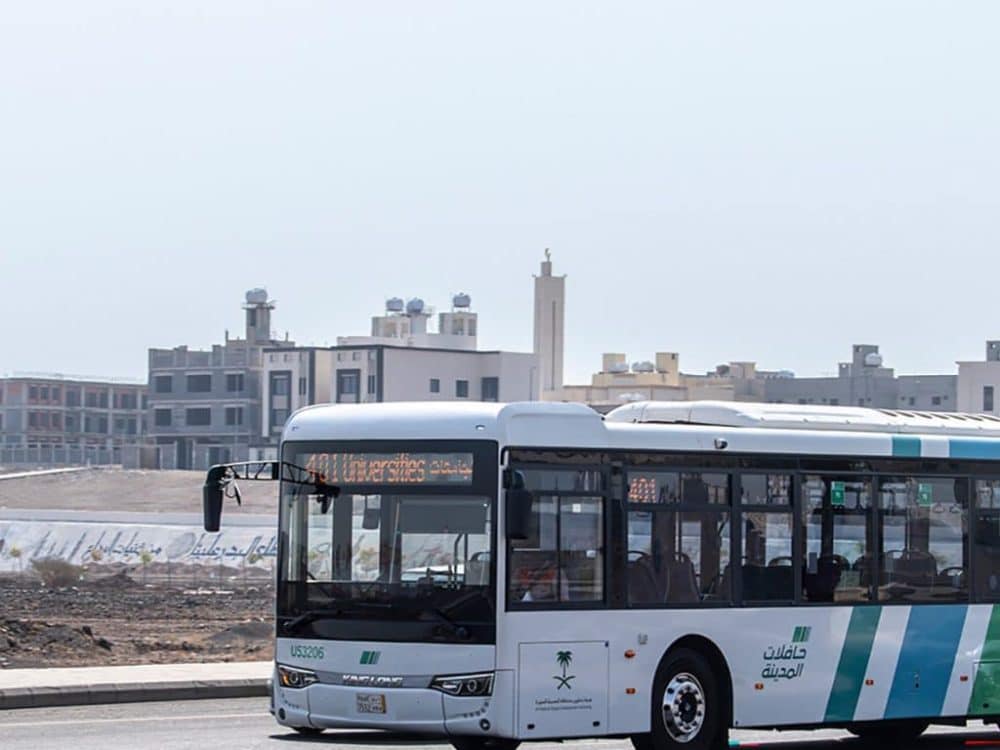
889 734
688 707
483 743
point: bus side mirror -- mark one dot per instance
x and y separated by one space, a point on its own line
518 515
211 498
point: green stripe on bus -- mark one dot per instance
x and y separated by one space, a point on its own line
853 663
906 445
985 698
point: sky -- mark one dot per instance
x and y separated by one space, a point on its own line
767 181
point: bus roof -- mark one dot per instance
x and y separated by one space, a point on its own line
669 426
807 417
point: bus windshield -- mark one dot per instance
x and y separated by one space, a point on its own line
391 560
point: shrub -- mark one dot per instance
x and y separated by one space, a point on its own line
56 573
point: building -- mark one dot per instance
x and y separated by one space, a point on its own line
205 406
60 419
550 324
865 381
403 360
979 382
661 379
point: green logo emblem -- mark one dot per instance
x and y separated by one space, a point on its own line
563 659
370 657
801 634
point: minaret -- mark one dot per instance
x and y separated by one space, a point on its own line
550 304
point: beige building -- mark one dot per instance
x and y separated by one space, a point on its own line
618 382
979 383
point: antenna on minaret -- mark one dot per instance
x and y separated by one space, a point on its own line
548 254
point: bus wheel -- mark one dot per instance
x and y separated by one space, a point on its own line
483 743
687 705
889 733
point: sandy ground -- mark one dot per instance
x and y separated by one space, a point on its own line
127 490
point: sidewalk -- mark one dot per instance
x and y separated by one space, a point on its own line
35 688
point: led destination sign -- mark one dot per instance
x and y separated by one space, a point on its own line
392 468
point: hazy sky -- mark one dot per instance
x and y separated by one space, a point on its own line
770 181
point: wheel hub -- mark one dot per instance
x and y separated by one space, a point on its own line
683 707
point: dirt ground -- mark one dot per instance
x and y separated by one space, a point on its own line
119 620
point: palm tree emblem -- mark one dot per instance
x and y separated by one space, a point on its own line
563 659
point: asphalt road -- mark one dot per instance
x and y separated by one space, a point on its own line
245 724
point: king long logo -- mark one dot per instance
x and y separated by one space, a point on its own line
787 661
563 659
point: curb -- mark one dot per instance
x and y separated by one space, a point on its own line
177 690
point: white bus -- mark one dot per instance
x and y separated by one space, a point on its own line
496 573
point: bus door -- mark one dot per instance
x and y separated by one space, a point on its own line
562 689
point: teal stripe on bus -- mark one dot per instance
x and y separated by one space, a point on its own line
926 658
906 445
973 448
853 663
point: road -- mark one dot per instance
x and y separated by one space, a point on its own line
245 724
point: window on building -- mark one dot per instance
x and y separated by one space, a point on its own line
43 393
281 384
163 383
278 419
912 401
88 424
120 424
102 399
922 539
303 386
234 382
1 394
1 422
348 386
72 397
371 385
435 385
935 401
234 415
988 398
162 417
32 393
198 417
837 516
132 430
462 388
55 394
70 423
201 383
356 356
102 425
43 419
56 421
490 389
32 419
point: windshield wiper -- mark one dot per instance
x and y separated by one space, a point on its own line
318 614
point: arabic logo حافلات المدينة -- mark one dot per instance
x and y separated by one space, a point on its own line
792 654
563 659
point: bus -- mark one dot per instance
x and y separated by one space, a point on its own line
502 573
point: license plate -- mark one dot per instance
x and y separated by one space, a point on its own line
371 703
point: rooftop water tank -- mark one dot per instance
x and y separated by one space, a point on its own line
257 296
394 304
415 306
643 367
461 300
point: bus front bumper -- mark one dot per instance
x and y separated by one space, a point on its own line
324 706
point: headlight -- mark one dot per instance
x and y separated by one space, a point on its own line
295 678
465 685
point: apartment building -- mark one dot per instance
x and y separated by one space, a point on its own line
205 405
60 419
403 360
979 382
